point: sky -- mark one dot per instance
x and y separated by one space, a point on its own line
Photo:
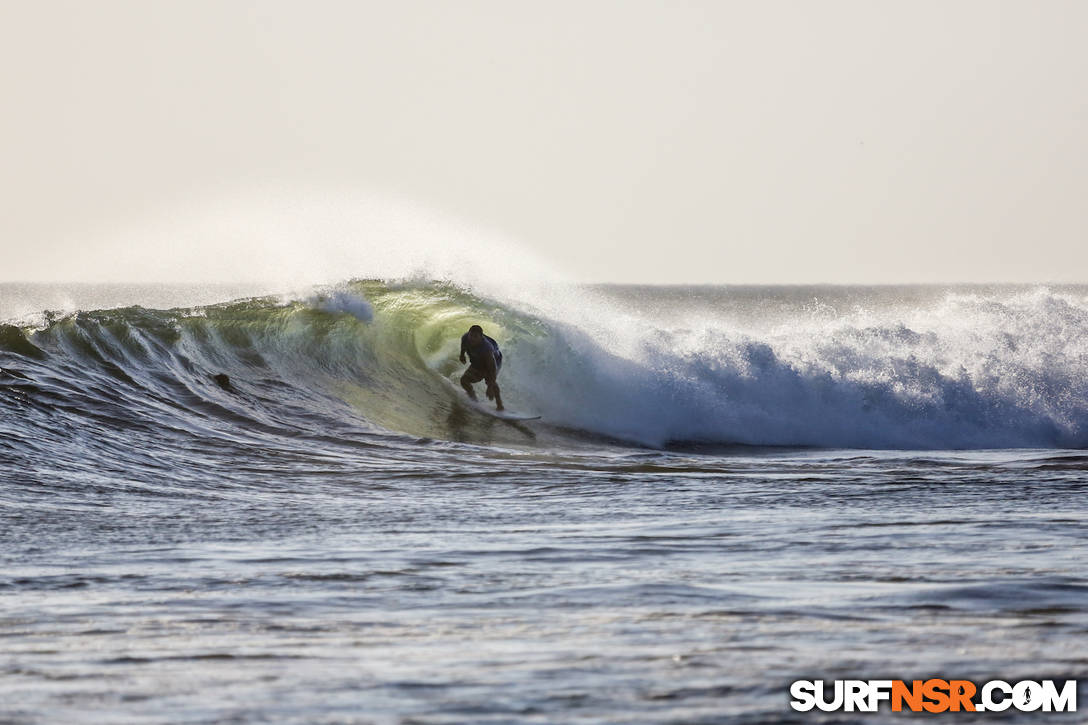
650 142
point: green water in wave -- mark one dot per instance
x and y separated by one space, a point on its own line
396 367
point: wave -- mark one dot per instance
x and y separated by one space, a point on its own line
369 359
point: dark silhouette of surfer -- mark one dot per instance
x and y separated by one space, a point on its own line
485 361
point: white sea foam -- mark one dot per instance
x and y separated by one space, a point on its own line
969 370
343 301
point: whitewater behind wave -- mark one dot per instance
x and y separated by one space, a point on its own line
650 366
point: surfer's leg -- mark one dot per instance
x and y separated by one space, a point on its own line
468 387
472 375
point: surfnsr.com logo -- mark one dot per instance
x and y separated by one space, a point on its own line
933 695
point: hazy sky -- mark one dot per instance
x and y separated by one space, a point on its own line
623 141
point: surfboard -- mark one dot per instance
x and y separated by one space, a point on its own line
488 408
505 414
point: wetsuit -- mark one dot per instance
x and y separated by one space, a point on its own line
477 356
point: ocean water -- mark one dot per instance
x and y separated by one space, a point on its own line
731 488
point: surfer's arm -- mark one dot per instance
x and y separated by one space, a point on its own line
462 349
491 370
492 386
490 373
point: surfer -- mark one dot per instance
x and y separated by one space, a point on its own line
485 361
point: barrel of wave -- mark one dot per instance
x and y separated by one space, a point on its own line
413 341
